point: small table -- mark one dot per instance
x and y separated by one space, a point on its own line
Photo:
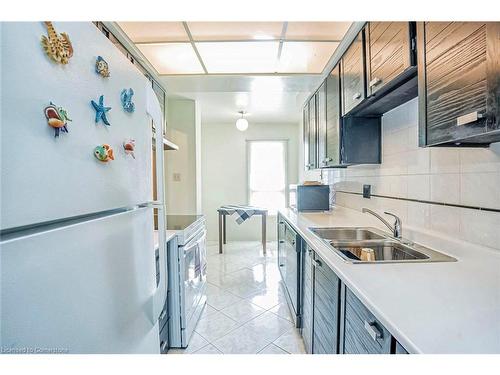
222 226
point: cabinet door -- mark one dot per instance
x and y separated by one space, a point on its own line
388 51
281 247
312 133
353 75
307 300
332 143
291 277
459 91
326 309
305 127
321 98
363 333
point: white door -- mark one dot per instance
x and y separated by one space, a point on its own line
82 288
45 178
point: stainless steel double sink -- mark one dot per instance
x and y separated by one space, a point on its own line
370 245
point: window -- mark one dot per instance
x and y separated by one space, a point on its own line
267 174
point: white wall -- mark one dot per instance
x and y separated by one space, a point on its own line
224 173
458 176
181 129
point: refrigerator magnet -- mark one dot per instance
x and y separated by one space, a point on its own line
126 99
104 153
58 47
102 67
57 118
129 147
100 111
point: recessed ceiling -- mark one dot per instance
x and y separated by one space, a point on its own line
236 47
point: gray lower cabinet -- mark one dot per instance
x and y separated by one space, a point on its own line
307 300
325 309
399 349
363 333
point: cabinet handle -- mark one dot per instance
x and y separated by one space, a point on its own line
356 96
163 345
375 81
317 263
281 241
372 330
468 118
293 242
162 315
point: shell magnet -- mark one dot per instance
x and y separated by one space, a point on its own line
104 153
57 117
102 67
129 147
126 98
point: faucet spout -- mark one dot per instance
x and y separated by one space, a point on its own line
396 229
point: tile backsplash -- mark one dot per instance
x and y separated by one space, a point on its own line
452 191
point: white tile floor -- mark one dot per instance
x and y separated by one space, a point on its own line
246 311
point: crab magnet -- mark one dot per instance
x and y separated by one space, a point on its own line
129 147
104 153
57 117
102 67
126 98
100 111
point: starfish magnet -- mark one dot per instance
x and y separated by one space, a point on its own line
100 111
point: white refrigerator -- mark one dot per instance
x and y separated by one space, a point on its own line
77 255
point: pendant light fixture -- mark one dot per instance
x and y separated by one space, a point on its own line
242 123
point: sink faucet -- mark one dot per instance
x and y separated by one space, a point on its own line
396 228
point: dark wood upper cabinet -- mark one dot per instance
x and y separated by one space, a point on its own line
388 52
322 129
459 83
333 121
353 75
310 141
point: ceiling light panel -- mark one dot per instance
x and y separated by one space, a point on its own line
140 32
215 31
316 30
305 57
239 57
172 58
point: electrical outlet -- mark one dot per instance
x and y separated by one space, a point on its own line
367 191
177 177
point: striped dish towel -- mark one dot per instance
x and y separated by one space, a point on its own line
243 212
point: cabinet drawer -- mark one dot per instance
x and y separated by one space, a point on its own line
363 333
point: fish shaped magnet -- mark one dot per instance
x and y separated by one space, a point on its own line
129 147
102 67
57 117
104 153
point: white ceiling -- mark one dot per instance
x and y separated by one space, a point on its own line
182 48
231 66
267 99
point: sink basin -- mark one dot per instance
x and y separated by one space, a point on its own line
348 234
382 251
370 245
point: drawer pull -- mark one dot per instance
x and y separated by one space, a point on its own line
356 96
281 241
163 345
317 263
375 81
373 331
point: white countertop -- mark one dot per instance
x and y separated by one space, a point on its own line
428 307
169 234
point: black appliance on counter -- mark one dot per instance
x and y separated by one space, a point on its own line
313 198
